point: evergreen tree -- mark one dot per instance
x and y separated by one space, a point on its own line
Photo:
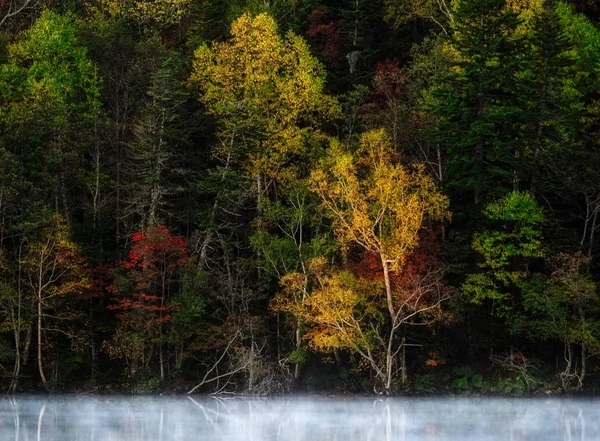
551 102
476 101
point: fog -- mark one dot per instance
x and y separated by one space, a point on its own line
296 419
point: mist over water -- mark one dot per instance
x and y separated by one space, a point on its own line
296 419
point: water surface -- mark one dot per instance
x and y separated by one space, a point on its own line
296 419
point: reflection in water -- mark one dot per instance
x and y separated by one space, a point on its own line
296 419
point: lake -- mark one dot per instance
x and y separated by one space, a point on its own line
108 418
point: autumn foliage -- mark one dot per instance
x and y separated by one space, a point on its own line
325 34
152 264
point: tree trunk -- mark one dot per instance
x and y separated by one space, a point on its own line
566 375
16 323
39 339
160 329
96 191
17 333
27 348
388 288
403 362
583 367
298 366
591 242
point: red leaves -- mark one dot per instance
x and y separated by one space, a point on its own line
324 33
100 283
369 267
390 80
420 271
156 247
152 263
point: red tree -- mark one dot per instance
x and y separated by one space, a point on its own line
324 34
153 262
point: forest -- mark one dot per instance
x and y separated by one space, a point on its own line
311 196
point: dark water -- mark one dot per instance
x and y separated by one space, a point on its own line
296 419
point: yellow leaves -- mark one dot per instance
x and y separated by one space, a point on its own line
529 7
328 302
294 287
263 88
55 263
289 298
159 12
374 201
331 307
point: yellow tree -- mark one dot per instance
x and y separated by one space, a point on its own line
55 268
266 93
381 206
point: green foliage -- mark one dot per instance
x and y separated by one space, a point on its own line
476 117
506 251
564 307
49 71
509 386
189 304
425 384
298 356
147 384
50 104
466 380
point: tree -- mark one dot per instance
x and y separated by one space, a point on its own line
15 312
380 206
475 109
55 268
506 251
572 162
134 71
294 240
153 264
400 12
153 154
564 309
266 93
157 13
550 95
323 34
50 95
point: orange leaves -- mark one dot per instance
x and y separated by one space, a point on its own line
435 359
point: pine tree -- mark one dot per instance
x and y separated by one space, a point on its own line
475 102
551 100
